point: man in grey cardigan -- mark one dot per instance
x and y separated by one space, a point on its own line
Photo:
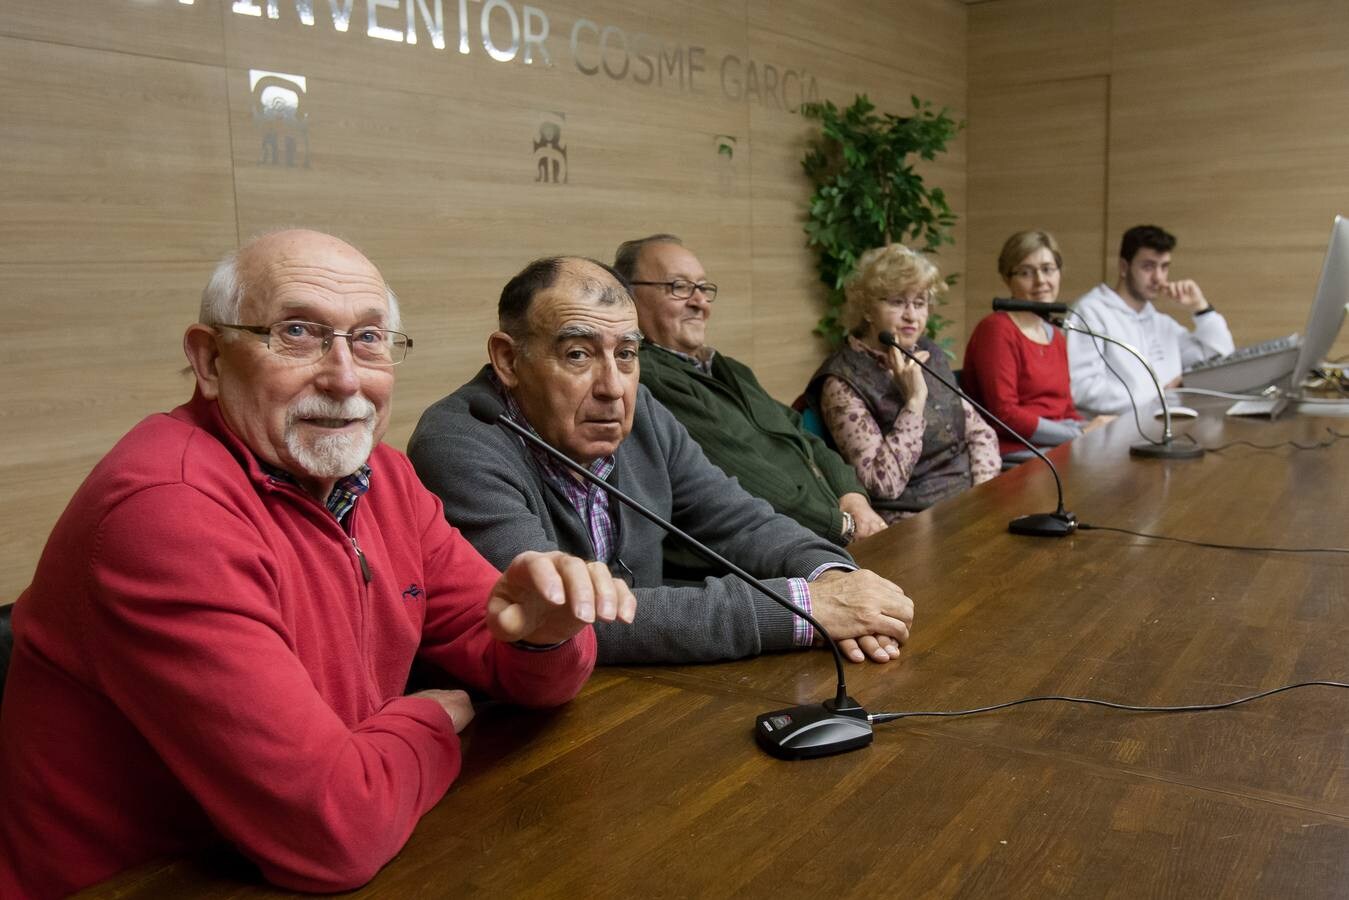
564 362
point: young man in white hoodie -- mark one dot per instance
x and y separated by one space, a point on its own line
1126 313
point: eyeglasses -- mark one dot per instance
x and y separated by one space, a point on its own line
307 342
683 290
917 304
1046 271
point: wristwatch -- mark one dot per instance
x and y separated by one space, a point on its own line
1207 309
849 527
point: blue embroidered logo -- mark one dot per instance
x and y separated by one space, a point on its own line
412 593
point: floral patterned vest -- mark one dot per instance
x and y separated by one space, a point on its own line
943 468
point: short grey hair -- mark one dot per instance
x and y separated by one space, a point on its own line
630 253
224 293
223 296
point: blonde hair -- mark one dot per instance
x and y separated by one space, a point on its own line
886 272
1023 244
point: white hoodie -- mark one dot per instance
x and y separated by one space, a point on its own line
1164 342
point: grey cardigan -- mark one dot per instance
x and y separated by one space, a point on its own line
494 493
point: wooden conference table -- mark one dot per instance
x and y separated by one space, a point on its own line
650 783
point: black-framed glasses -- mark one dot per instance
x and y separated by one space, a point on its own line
682 289
307 342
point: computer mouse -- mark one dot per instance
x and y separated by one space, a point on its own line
1177 412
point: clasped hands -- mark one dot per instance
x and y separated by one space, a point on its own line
868 615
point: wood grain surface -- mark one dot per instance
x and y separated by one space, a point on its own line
649 783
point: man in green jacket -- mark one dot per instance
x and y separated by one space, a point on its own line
739 426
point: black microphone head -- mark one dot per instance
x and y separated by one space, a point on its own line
1043 310
886 337
486 409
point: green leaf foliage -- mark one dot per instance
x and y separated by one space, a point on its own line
867 193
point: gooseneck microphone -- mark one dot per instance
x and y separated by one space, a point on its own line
1059 523
799 732
1056 313
1043 310
1166 448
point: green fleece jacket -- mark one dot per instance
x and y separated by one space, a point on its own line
753 437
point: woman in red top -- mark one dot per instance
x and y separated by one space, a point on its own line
1016 364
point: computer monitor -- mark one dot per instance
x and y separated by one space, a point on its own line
1327 315
1323 326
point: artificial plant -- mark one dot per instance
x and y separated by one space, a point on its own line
867 193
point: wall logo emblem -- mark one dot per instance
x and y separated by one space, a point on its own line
550 154
282 117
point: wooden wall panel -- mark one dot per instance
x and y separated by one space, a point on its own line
1229 141
1037 160
1219 127
101 349
108 156
134 154
785 276
354 58
924 36
163 28
1027 41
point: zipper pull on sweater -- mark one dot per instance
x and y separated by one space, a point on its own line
360 555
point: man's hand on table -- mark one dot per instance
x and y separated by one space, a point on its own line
870 616
546 598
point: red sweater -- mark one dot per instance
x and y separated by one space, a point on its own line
199 657
1019 380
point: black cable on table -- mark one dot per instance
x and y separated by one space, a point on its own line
1297 445
1083 526
1196 707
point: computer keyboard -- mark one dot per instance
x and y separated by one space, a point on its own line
1254 351
1248 369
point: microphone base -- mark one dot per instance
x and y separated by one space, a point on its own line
1166 450
1044 525
814 730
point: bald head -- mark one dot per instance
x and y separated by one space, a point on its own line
579 277
245 280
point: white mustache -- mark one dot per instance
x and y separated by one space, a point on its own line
320 407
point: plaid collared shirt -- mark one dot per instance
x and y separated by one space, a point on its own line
590 502
342 498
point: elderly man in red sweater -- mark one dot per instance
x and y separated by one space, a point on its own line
217 638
